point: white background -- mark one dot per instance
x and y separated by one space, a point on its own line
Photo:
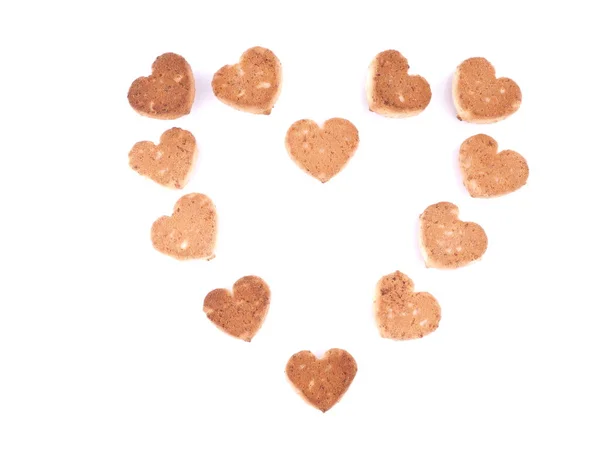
103 343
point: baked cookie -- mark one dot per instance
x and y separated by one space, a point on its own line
168 93
253 84
401 313
170 162
322 152
241 313
480 97
487 173
391 91
446 241
191 232
322 382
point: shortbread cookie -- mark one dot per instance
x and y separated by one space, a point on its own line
480 97
191 232
241 313
170 162
391 91
487 173
402 313
253 84
322 382
168 93
446 241
322 152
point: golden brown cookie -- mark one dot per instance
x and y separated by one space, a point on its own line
170 162
191 232
322 382
480 97
168 93
391 91
253 84
322 152
241 313
487 173
446 241
402 313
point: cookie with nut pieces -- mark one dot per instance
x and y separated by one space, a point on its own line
253 84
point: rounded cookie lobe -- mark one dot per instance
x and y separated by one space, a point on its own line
191 232
322 152
391 91
253 84
242 312
480 97
322 382
170 162
446 241
487 173
401 313
168 93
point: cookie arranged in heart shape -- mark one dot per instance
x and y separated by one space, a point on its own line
391 91
480 97
401 313
191 232
446 241
322 382
242 312
253 84
168 93
487 173
170 162
322 152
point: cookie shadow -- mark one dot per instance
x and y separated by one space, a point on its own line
204 92
446 95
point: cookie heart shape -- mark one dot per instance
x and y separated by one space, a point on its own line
170 162
391 91
322 382
401 313
446 241
322 152
253 84
168 93
191 232
241 313
487 173
480 97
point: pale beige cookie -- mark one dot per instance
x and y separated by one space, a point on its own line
402 313
168 93
241 313
170 162
253 84
191 232
446 241
487 173
322 382
480 97
322 152
391 91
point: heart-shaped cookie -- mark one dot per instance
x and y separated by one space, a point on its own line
191 232
322 382
391 91
168 93
446 241
253 84
241 313
480 97
170 162
487 173
402 313
322 152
